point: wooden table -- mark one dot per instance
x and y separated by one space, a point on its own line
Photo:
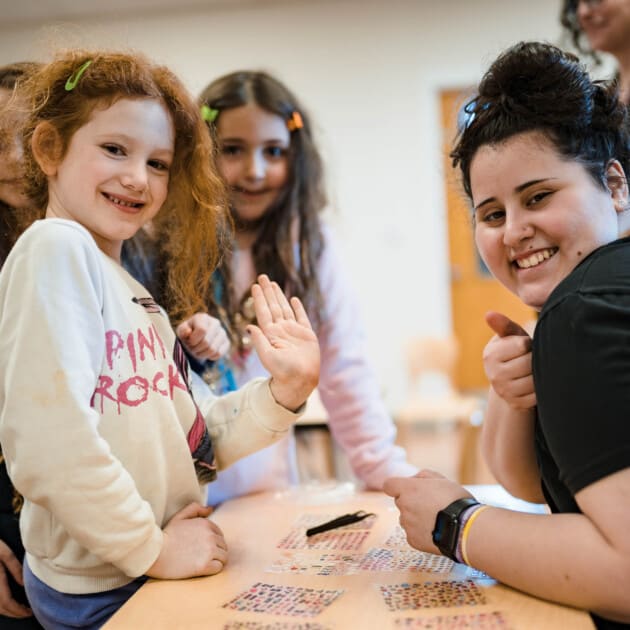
256 524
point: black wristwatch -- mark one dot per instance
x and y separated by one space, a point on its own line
447 521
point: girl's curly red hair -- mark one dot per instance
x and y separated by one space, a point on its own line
191 227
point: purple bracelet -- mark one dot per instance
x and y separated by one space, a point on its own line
464 518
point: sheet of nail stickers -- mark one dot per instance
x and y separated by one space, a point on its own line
404 560
494 620
300 563
443 594
341 539
277 625
342 557
397 538
346 538
274 599
375 560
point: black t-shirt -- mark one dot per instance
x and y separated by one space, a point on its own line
581 366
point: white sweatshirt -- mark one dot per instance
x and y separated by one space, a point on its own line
94 414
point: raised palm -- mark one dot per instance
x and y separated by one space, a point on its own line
285 342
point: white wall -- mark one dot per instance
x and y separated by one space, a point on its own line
369 72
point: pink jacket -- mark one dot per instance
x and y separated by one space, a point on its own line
358 419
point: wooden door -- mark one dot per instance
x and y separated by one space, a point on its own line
473 290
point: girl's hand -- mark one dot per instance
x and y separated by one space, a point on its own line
192 546
507 360
204 337
285 343
10 564
419 499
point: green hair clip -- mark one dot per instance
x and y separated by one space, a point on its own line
74 78
209 114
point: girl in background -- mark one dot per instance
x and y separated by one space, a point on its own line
100 430
602 26
12 194
14 609
544 159
267 156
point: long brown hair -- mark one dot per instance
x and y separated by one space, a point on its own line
187 226
296 215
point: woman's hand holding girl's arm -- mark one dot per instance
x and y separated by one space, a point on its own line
285 343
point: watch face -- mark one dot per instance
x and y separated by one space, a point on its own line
445 533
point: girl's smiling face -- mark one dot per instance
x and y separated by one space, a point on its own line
114 176
253 158
537 215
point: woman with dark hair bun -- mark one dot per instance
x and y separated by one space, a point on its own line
601 26
544 157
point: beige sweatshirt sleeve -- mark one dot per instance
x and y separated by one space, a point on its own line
243 421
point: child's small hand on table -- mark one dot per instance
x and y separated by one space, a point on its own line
204 337
193 546
285 343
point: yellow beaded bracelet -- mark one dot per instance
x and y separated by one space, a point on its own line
466 531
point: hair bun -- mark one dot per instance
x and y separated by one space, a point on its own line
522 78
537 87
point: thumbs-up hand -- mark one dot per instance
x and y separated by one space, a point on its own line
507 360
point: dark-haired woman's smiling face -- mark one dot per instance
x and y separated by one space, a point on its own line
537 215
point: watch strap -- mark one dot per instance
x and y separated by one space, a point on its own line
456 508
447 517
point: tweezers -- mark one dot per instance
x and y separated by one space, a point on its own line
340 521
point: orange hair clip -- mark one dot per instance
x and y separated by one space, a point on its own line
295 122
